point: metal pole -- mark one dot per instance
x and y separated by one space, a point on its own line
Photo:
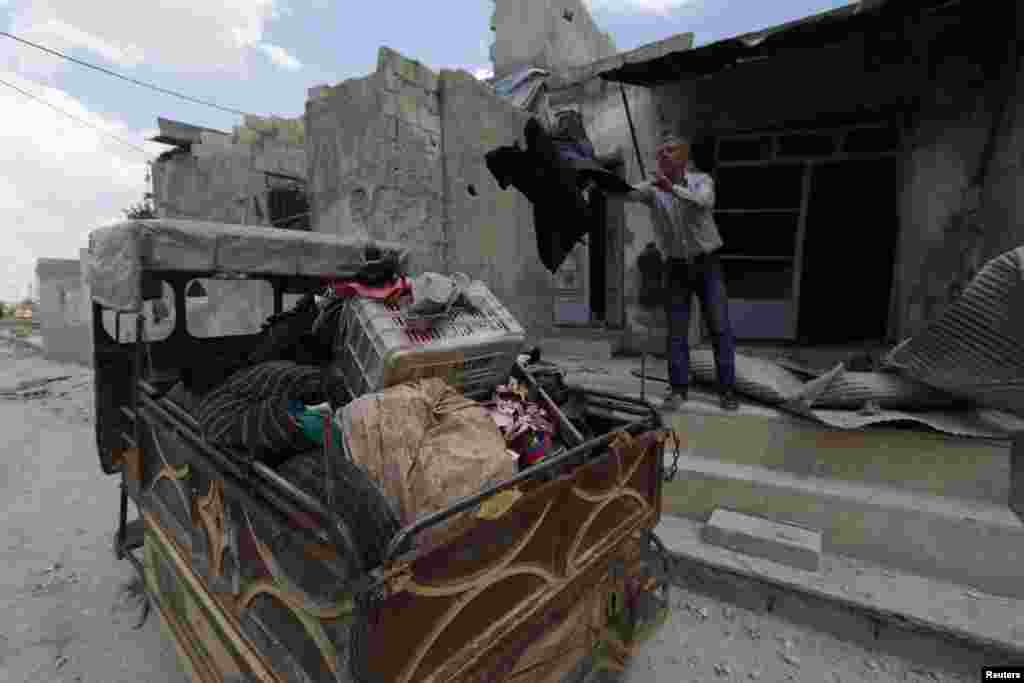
643 175
632 131
643 376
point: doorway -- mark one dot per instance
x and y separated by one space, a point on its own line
849 250
589 287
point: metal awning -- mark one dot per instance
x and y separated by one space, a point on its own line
814 31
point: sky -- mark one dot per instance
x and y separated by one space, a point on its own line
61 178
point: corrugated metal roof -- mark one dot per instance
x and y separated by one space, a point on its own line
813 31
976 348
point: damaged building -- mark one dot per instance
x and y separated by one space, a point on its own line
872 183
866 161
254 175
856 196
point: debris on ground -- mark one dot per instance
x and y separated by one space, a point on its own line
53 579
32 388
765 648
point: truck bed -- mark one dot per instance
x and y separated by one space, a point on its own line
529 590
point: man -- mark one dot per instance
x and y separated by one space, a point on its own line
682 200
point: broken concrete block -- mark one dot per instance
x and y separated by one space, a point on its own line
783 543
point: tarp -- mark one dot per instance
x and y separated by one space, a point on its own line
118 254
975 349
522 87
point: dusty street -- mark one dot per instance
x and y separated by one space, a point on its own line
68 618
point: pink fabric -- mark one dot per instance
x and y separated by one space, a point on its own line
345 288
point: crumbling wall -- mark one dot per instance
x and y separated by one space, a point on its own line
550 34
222 177
64 311
490 231
374 147
399 155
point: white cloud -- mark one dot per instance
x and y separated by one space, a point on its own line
59 180
662 7
279 56
483 73
197 36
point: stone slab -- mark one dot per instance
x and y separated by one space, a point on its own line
783 543
973 543
582 349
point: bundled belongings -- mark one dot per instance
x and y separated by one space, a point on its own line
251 410
348 490
425 445
434 294
555 176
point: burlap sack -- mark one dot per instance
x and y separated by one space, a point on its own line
426 445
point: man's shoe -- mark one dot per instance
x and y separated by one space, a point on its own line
674 401
729 400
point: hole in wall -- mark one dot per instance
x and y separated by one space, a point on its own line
567 14
471 189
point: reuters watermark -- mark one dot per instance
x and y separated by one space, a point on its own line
1002 673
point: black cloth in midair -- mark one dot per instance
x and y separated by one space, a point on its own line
553 183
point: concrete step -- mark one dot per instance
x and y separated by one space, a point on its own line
597 348
935 623
913 459
974 543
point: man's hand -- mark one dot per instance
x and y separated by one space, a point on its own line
662 182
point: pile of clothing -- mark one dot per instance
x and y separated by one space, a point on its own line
527 428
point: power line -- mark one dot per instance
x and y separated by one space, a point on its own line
101 69
75 118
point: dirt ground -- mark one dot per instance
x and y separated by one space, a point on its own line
69 618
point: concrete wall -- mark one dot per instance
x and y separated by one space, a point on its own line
398 155
939 250
490 231
221 178
64 312
550 34
374 148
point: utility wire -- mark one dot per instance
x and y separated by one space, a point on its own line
75 118
157 88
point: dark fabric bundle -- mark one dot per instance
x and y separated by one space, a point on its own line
250 410
347 490
553 184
